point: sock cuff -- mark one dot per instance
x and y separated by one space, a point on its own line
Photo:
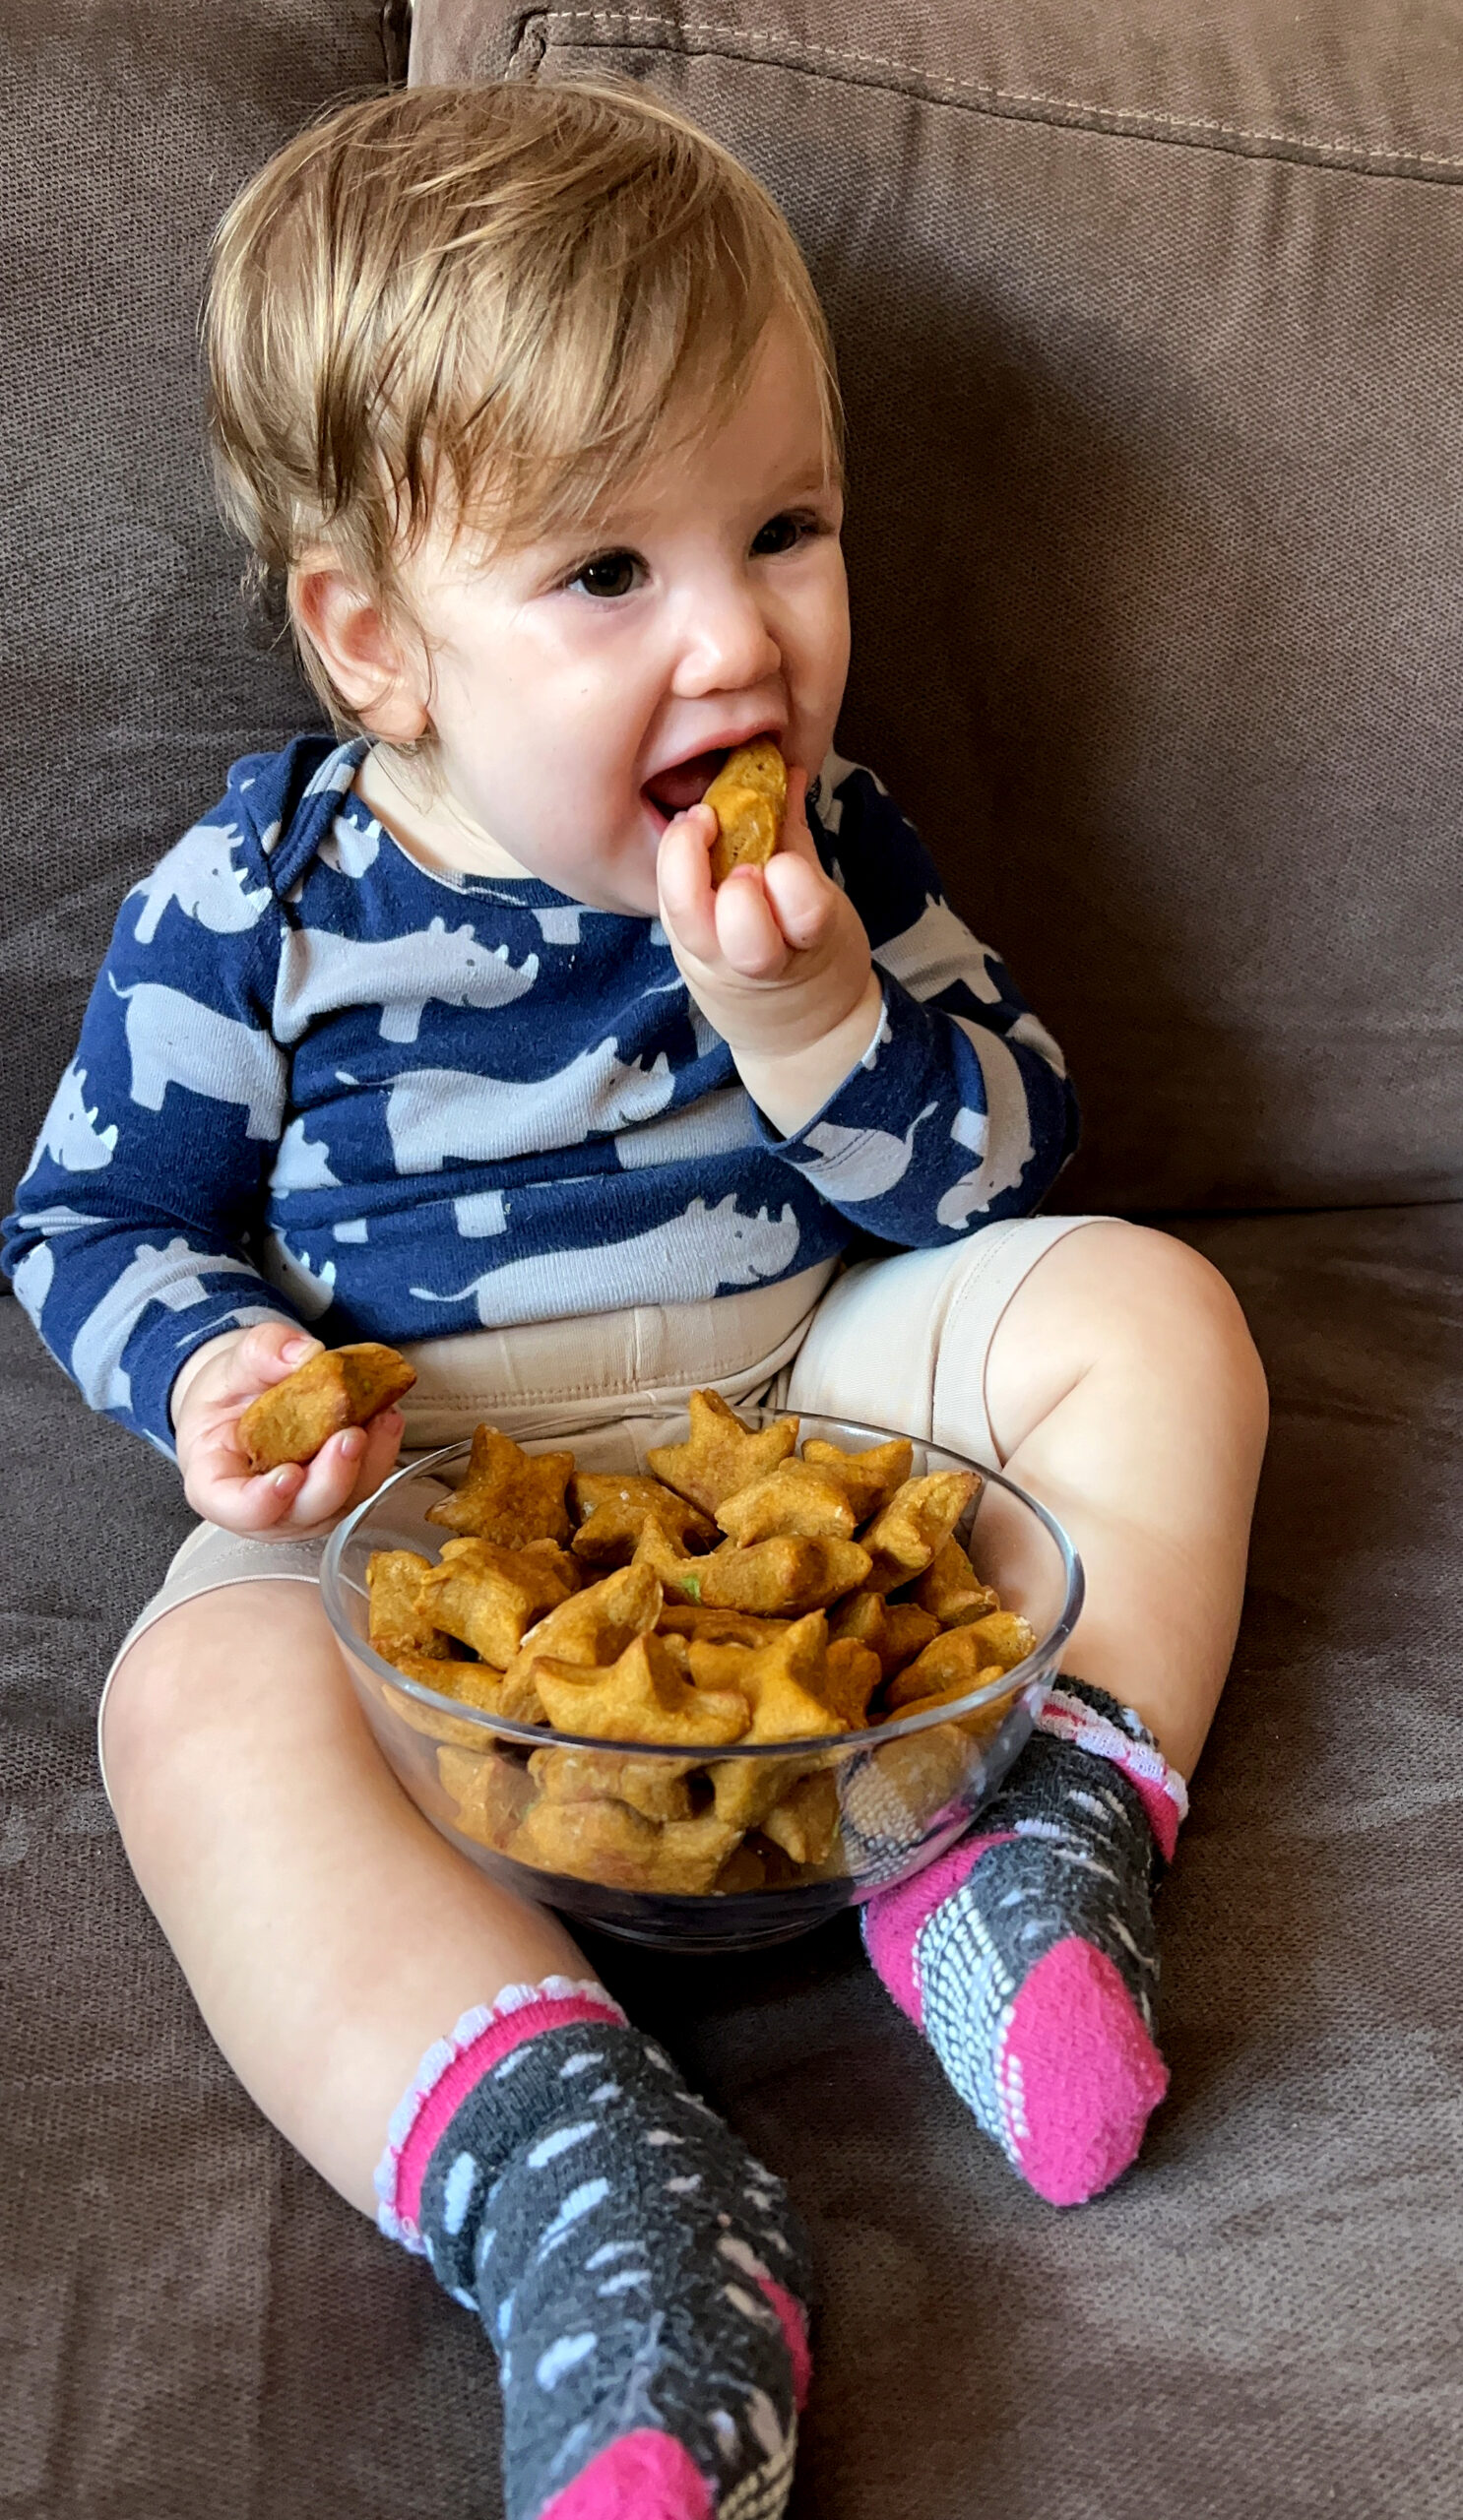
454 2066
1088 1718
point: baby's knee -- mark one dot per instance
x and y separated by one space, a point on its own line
147 1711
176 1688
1175 1303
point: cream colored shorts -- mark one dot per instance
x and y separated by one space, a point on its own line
899 1343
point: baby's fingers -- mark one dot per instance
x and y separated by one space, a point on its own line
794 838
747 934
804 901
299 1496
265 1353
684 873
383 1437
329 1484
218 1485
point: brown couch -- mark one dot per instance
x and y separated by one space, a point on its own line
1151 320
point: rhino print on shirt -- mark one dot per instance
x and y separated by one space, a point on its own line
32 1280
69 1134
716 1124
311 1291
854 1164
200 875
302 1163
1000 1134
321 972
688 1261
349 850
439 1115
167 1277
172 1040
936 952
480 1213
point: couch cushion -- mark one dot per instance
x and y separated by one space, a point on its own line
131 677
1261 2318
1150 331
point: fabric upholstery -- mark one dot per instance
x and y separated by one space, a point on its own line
131 675
1262 2318
1150 328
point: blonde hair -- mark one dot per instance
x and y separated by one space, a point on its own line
499 300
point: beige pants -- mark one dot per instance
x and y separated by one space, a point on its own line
899 1343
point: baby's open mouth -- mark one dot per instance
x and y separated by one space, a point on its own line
673 790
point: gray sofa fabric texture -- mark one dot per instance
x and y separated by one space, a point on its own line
1150 331
1262 2319
131 677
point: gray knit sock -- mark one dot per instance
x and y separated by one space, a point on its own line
1027 1954
640 2275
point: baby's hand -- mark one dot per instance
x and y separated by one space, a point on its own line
298 1497
777 959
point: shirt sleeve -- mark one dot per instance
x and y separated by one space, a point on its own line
960 1109
130 1241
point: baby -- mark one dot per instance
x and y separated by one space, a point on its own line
439 1033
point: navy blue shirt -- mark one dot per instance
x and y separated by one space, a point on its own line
317 1080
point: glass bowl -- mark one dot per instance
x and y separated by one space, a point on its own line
897 1795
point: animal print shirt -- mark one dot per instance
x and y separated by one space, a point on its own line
316 1080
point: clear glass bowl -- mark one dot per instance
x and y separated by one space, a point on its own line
904 1790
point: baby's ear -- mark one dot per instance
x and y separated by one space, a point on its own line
359 649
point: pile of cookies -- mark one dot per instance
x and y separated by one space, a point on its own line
742 1595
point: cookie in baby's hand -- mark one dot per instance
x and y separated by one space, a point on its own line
342 1387
748 797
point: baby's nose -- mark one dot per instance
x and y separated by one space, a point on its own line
729 646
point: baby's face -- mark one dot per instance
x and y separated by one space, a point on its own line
586 690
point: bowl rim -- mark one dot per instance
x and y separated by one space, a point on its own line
824 1745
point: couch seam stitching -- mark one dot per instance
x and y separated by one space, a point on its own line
1141 122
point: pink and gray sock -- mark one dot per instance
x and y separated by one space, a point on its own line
640 2276
1027 1954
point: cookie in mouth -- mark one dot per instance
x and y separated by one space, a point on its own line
675 790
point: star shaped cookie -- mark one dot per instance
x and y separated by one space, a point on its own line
721 1454
614 1510
508 1497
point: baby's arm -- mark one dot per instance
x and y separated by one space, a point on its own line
908 1081
131 1243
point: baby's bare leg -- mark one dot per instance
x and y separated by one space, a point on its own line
1124 1389
329 1934
638 2272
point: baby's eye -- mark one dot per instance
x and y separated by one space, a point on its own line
608 574
781 534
